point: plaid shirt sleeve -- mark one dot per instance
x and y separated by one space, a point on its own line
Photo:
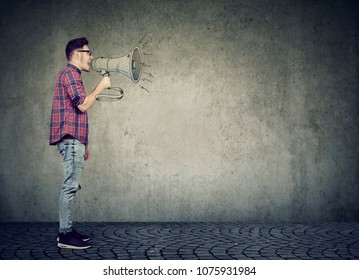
75 88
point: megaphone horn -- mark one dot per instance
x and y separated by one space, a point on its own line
129 64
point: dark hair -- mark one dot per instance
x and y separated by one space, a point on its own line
74 44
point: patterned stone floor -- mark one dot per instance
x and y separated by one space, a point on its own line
177 241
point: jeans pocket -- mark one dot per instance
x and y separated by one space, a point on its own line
63 148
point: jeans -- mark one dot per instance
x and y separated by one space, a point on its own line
72 152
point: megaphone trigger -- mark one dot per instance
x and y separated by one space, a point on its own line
105 73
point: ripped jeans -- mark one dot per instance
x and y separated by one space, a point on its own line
72 152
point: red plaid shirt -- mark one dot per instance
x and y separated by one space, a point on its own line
66 118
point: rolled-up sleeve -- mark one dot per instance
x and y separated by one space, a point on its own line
75 88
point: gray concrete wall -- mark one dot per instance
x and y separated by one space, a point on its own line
252 115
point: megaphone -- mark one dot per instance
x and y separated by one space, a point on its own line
129 65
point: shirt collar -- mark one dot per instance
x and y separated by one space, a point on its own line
74 67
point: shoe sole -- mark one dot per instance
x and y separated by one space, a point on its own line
67 246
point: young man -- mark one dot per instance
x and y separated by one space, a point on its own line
69 132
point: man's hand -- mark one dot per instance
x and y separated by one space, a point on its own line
104 83
87 154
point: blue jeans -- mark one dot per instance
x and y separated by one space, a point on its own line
72 152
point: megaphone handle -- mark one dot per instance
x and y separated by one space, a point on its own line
105 73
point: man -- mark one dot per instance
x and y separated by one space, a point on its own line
69 132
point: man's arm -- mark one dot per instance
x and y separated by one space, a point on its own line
91 98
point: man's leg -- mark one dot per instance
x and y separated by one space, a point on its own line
72 152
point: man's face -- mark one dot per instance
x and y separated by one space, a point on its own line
85 58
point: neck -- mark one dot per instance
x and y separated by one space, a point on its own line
75 64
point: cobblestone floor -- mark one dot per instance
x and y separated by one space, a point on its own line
176 241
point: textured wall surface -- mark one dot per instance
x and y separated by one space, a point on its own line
252 114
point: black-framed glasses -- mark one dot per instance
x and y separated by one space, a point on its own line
87 51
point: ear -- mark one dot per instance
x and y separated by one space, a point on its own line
75 55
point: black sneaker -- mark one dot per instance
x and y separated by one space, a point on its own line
81 236
70 241
77 235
